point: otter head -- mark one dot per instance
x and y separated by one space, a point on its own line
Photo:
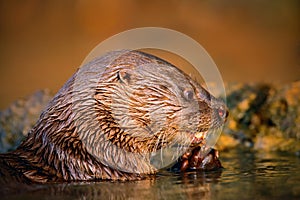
143 108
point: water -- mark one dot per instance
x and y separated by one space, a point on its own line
247 175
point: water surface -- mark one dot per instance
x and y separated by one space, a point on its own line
246 175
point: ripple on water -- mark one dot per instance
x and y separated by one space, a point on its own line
246 175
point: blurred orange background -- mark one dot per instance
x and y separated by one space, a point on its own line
44 42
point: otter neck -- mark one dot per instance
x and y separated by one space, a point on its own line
53 156
125 140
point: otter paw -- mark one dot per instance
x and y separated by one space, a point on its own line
199 159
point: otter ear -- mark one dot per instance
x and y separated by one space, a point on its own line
124 76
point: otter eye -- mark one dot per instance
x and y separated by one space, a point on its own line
188 94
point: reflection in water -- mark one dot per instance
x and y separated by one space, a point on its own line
259 176
246 176
167 185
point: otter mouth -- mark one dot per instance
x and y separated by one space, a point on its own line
199 137
206 136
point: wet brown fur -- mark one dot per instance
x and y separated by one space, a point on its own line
56 149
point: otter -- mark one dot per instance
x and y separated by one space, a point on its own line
122 116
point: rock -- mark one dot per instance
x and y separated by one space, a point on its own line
264 116
17 120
